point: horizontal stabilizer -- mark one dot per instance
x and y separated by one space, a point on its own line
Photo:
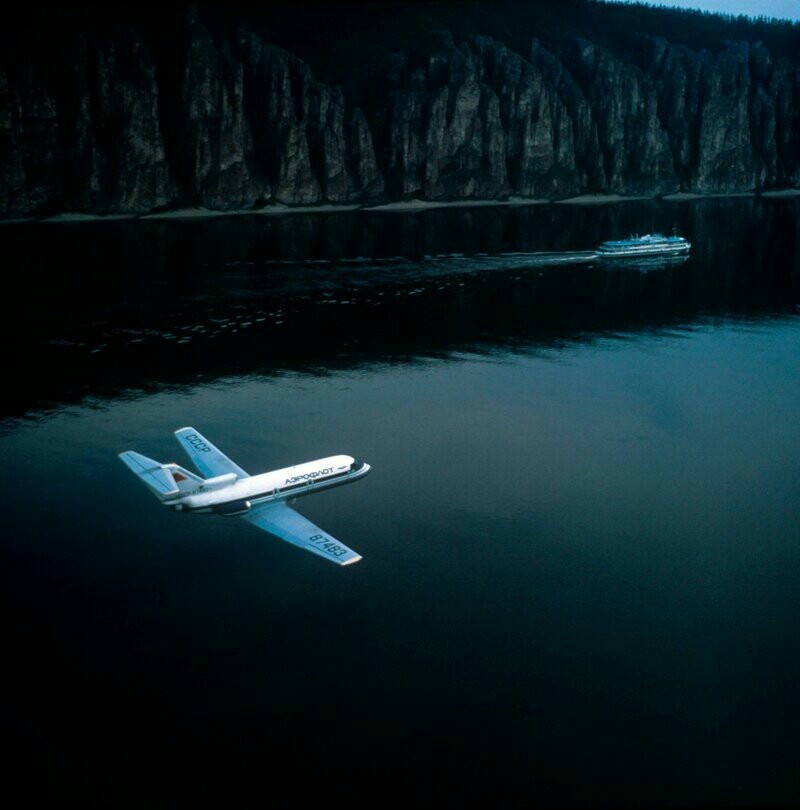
154 475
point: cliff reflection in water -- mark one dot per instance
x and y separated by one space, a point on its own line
144 304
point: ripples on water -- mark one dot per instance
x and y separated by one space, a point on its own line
149 303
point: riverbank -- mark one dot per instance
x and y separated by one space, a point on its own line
402 206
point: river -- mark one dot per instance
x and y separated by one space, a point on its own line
580 534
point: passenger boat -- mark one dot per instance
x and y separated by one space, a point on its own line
651 244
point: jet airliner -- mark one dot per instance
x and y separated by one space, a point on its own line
262 500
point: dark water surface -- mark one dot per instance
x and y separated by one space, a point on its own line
581 535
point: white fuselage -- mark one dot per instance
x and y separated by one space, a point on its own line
236 497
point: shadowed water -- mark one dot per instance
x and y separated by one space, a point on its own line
580 536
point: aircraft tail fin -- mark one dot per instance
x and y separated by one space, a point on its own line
163 480
184 479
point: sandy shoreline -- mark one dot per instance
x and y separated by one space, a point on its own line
781 193
69 216
404 206
601 199
427 205
268 210
686 196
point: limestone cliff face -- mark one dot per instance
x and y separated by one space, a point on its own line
114 152
635 154
479 120
31 160
441 129
217 161
258 126
309 145
234 122
732 120
88 138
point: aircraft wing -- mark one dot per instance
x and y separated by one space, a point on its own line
207 458
287 524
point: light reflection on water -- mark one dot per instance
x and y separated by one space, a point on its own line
579 536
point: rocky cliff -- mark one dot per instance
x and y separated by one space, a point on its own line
232 121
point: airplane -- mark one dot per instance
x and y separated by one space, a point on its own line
262 500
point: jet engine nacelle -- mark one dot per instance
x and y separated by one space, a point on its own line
220 481
233 508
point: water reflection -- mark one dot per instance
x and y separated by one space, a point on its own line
113 307
644 263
